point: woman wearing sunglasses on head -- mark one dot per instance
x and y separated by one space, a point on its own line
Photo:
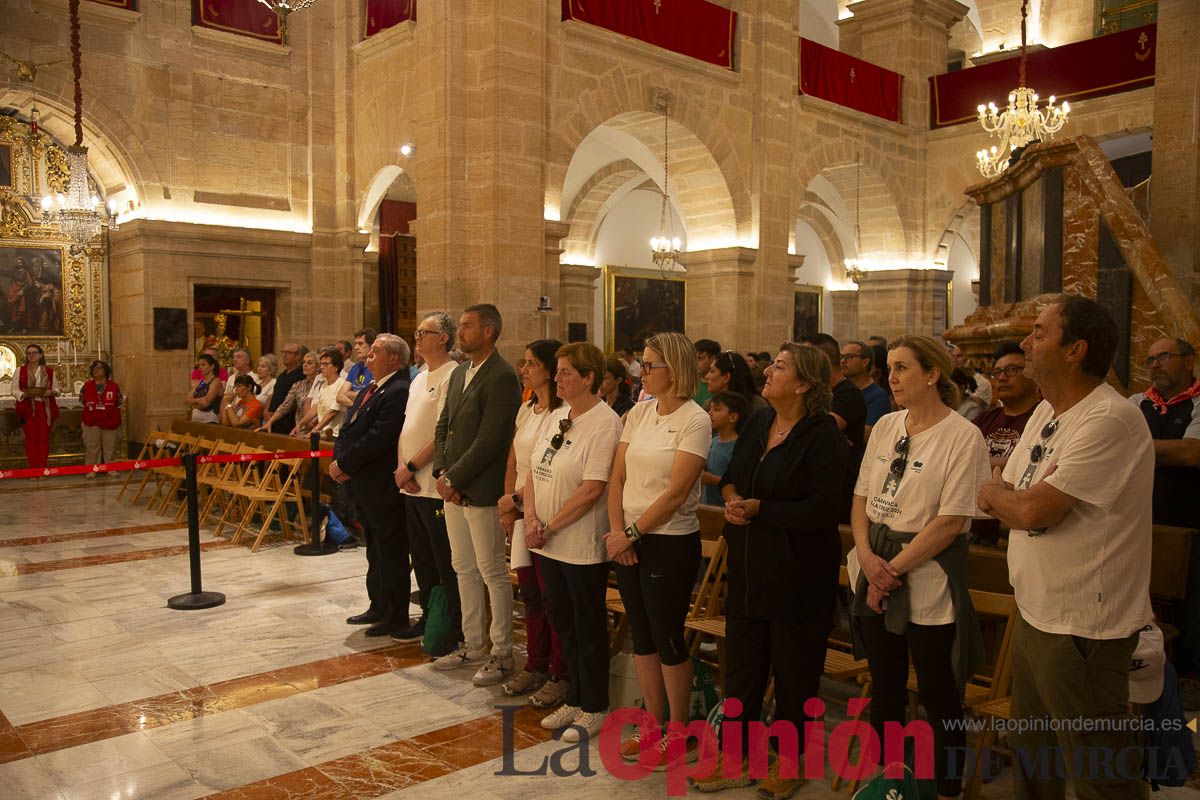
913 503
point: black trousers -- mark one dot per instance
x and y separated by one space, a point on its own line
794 648
431 556
929 647
657 593
575 599
389 579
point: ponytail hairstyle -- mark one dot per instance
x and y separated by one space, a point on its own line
933 355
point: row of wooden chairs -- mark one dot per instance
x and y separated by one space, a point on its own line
238 491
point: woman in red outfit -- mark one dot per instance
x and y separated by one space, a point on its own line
35 393
101 398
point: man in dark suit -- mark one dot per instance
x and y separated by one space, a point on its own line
365 455
470 455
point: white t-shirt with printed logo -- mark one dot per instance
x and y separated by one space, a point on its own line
653 441
530 426
1089 575
586 455
426 396
947 464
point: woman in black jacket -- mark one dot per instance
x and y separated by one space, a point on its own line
781 492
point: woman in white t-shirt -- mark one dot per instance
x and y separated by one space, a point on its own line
913 504
566 517
545 673
655 535
326 414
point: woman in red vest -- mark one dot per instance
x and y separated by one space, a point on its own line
101 398
36 390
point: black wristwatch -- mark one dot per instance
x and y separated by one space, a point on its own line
411 467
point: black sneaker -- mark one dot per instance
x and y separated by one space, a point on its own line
414 634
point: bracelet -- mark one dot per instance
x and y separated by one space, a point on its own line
411 467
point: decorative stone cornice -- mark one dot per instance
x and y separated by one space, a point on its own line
875 14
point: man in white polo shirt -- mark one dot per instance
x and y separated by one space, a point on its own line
1076 493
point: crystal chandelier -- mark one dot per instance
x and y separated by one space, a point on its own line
78 213
285 8
1019 124
664 247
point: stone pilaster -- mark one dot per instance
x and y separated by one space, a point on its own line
716 282
911 37
577 298
1175 198
844 307
894 302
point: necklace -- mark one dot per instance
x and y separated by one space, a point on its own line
784 431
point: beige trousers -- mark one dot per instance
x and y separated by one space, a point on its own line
99 445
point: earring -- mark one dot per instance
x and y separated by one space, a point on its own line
930 383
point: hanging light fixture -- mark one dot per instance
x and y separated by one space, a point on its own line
1021 123
664 246
854 270
284 9
78 212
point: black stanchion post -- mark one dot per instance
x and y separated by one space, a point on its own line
314 547
197 598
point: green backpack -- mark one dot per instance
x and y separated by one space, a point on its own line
906 787
437 622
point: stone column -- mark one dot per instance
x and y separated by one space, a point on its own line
577 299
844 305
1175 193
911 37
894 302
719 283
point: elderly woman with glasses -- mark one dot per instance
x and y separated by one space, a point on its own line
781 493
913 503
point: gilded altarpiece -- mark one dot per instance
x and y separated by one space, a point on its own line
51 293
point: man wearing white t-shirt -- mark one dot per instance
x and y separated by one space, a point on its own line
1076 493
428 542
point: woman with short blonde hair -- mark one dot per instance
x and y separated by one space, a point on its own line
655 534
678 355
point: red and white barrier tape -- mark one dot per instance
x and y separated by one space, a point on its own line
125 466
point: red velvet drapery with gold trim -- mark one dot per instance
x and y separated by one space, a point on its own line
243 17
383 14
695 28
848 81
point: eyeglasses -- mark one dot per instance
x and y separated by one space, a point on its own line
848 356
419 332
1011 371
1039 450
650 366
1161 359
901 459
564 425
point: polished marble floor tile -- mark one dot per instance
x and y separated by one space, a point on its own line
29 780
161 781
88 763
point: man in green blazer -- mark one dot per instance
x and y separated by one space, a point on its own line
470 455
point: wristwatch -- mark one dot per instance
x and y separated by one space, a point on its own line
439 472
632 533
449 485
411 467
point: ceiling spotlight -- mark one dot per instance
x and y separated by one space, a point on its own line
406 149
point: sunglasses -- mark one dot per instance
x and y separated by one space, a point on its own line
1039 450
557 440
901 459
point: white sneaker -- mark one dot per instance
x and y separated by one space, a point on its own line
458 658
585 726
494 670
560 717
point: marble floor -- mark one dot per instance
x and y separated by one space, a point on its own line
106 693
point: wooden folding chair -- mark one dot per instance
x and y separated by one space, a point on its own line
149 450
840 663
266 496
171 446
171 477
174 477
207 475
228 488
707 614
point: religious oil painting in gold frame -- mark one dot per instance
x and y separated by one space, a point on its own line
639 304
32 290
806 314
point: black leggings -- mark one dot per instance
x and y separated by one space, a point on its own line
657 593
929 646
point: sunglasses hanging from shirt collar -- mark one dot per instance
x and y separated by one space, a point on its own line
564 425
1036 455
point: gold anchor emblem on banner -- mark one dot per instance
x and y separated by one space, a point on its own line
1143 51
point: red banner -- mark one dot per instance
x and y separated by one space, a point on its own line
383 14
1091 68
848 81
243 17
126 466
128 5
694 28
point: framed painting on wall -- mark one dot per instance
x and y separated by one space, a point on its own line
31 291
806 314
639 304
